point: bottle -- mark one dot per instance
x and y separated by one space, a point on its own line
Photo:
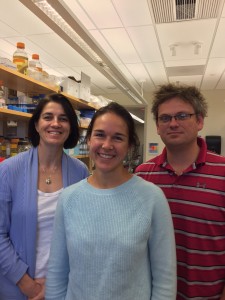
6 148
35 68
20 58
3 94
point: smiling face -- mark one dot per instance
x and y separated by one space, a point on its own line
178 132
53 125
108 143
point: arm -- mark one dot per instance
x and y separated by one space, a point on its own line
58 265
162 252
11 265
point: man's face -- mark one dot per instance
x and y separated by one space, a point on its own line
179 131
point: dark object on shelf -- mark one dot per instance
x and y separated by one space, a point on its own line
213 143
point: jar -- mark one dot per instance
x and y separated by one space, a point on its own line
23 145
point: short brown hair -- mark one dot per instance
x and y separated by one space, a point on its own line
189 94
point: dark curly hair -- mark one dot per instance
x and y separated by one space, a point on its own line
189 94
74 135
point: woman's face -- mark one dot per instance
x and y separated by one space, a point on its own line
109 142
53 125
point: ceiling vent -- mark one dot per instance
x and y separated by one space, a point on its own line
167 11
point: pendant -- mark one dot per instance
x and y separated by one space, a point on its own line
48 180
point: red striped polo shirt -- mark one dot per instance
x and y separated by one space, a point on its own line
197 203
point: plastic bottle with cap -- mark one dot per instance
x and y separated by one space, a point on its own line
20 58
35 67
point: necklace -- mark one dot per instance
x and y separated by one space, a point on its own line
48 179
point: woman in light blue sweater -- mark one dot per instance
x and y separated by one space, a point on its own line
113 236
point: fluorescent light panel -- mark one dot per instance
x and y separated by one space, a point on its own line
82 42
137 119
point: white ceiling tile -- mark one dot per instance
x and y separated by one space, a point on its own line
7 49
77 10
214 71
105 46
188 80
145 41
139 72
184 34
221 83
133 12
121 44
219 42
6 30
157 72
17 16
129 76
102 13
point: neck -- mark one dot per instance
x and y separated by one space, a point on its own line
182 157
109 180
49 158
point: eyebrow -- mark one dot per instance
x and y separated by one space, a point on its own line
50 113
116 133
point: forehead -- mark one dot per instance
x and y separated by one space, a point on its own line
174 105
111 122
53 107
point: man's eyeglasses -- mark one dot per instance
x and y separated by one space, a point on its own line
178 117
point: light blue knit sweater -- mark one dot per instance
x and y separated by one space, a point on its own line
112 244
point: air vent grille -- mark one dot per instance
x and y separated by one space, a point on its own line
167 11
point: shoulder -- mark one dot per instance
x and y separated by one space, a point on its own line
147 187
15 162
74 189
214 158
76 164
152 163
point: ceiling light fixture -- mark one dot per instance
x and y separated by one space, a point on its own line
58 17
137 118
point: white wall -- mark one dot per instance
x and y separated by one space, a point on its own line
214 123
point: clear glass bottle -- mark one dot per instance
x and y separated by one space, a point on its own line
35 62
20 58
35 67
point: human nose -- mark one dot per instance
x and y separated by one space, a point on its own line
55 121
173 120
107 144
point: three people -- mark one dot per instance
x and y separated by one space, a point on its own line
113 235
193 180
30 185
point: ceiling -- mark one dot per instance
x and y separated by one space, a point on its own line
150 42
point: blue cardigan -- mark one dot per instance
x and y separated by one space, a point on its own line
18 216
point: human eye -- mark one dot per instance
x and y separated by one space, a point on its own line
98 134
182 116
118 138
63 119
47 117
164 118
